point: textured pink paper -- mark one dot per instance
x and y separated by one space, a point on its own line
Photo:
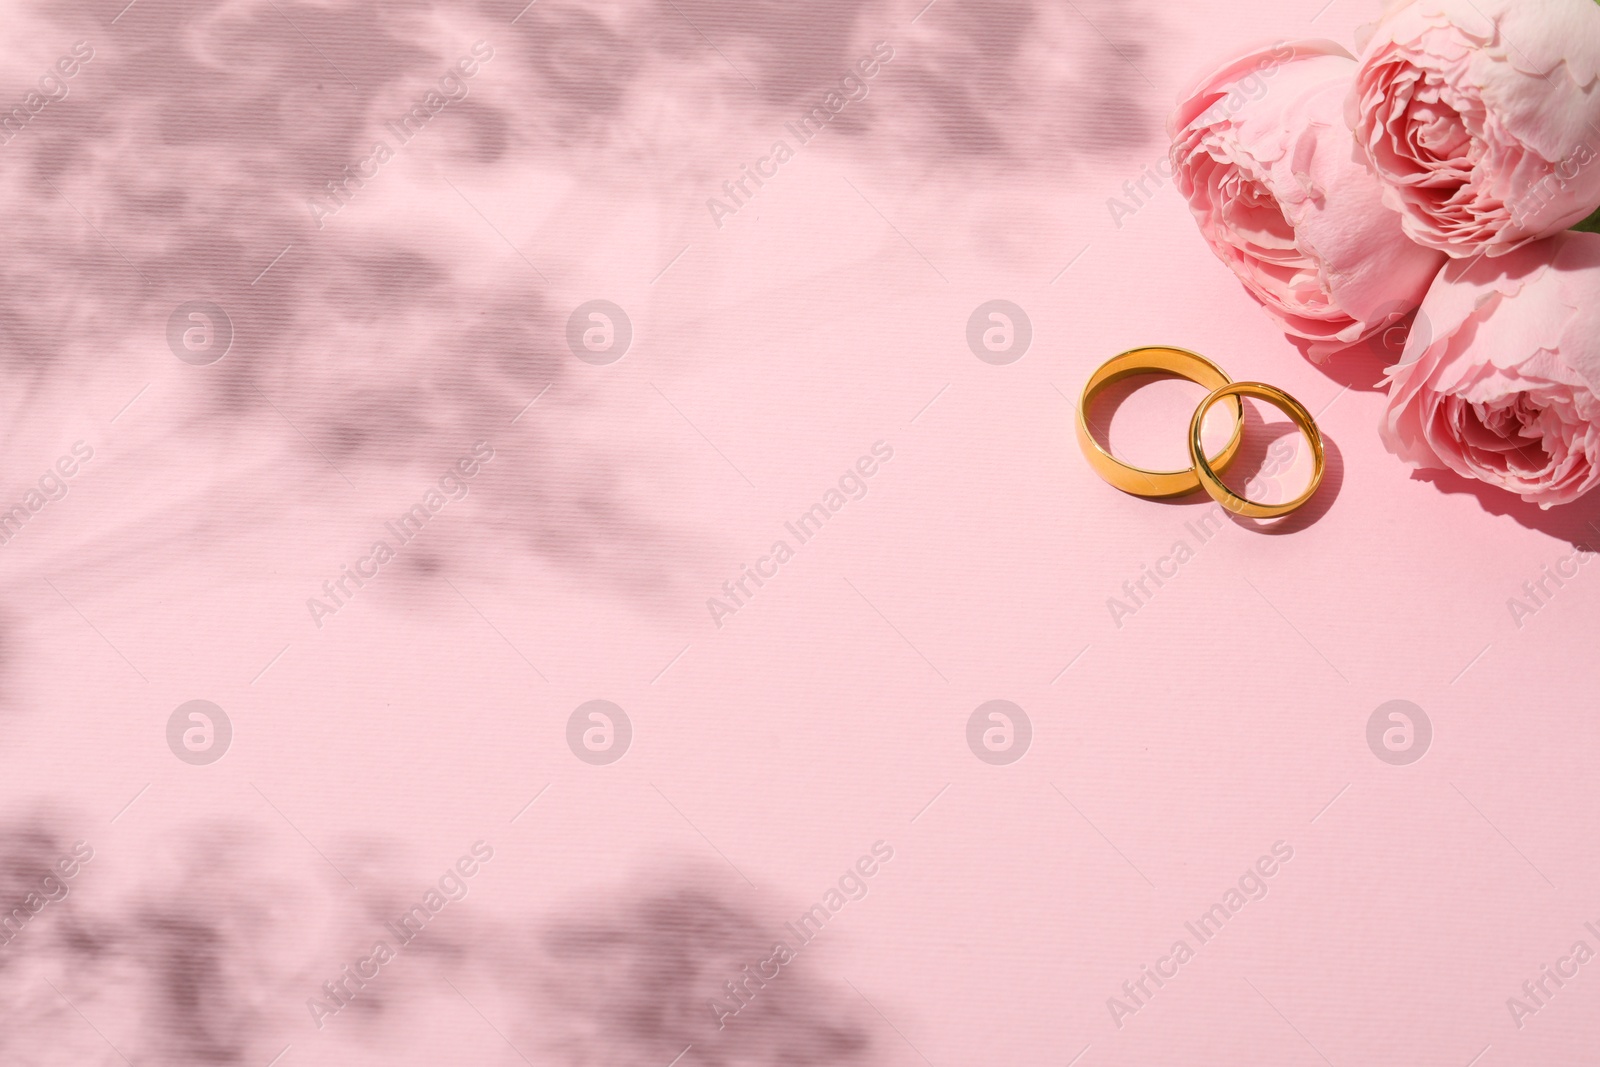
591 475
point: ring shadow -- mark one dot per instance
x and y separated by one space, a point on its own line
1254 450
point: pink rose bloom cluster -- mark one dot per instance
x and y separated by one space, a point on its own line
1439 169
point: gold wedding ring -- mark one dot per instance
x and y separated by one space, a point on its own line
1208 471
1159 359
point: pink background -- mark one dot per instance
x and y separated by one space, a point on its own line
830 712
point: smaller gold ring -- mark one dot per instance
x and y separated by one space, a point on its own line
1208 473
1156 359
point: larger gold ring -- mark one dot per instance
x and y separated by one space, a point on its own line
1208 472
1154 360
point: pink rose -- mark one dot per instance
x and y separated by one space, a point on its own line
1499 376
1261 151
1482 118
